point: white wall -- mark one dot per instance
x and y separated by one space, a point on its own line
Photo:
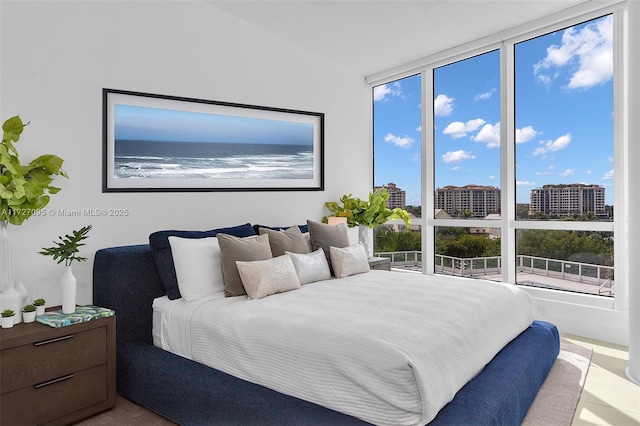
56 56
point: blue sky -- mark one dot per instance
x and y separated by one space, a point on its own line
564 117
157 124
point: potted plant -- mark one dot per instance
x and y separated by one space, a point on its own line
25 190
28 313
367 214
7 318
66 250
39 304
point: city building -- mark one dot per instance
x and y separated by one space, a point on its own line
397 196
468 201
568 200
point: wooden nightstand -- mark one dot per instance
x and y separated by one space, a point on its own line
380 263
56 376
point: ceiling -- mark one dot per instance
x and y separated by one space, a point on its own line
377 35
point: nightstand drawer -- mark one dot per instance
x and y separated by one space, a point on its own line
51 400
49 359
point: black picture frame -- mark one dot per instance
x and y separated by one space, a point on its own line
159 143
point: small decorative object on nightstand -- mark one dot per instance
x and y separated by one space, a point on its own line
28 313
380 263
39 304
57 376
8 318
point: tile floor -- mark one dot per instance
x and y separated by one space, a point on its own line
609 398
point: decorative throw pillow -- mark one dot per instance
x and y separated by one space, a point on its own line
198 267
264 277
291 239
324 236
303 228
349 260
161 249
233 249
311 267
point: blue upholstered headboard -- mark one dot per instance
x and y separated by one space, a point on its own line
126 280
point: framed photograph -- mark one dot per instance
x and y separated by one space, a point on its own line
165 143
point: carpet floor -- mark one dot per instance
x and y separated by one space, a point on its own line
554 405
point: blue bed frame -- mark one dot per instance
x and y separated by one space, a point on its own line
189 393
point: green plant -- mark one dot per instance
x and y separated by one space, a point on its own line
7 313
24 189
67 248
39 302
29 308
373 212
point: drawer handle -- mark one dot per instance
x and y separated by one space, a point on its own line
57 339
50 382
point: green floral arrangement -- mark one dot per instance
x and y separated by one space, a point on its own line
29 308
39 302
67 248
7 313
372 212
24 189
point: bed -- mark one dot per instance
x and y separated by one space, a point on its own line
189 384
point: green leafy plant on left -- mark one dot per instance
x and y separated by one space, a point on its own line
67 248
24 189
372 212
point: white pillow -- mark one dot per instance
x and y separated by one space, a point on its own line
198 266
349 260
311 267
261 278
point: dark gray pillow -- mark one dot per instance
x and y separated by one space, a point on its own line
291 239
324 236
245 249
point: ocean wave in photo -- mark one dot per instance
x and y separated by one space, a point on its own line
175 160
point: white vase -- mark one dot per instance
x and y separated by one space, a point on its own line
11 299
28 317
68 285
364 236
6 262
40 310
7 322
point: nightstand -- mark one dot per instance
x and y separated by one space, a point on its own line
56 376
380 263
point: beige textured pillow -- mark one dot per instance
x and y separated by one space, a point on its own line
291 239
264 277
233 249
349 260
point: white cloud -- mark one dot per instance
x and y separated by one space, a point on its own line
401 141
485 95
567 172
384 90
551 146
443 106
490 134
524 183
587 52
458 129
525 134
455 168
455 156
589 172
608 175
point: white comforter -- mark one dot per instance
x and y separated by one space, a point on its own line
390 348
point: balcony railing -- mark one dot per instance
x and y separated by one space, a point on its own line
531 270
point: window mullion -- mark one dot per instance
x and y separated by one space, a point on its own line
507 162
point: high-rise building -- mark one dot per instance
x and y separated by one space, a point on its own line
567 200
397 197
479 200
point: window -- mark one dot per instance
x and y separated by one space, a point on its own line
522 182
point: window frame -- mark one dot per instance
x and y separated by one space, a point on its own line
505 42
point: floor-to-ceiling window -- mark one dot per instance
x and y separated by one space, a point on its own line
522 179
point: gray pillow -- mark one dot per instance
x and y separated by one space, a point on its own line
291 239
245 249
324 236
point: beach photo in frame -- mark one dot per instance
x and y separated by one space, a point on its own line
166 143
